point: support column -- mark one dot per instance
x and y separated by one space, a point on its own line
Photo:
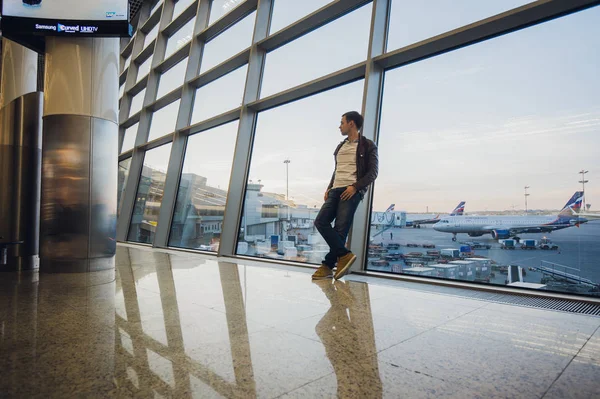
79 157
371 109
20 157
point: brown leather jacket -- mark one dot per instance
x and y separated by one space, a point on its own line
367 164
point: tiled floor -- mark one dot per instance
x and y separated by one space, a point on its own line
165 325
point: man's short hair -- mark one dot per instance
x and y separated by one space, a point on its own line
354 117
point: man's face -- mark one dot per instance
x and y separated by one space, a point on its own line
345 126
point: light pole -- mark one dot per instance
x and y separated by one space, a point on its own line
287 194
526 195
582 172
287 164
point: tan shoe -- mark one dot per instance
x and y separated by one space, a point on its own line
322 273
343 265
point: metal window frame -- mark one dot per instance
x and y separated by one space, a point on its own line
145 115
372 70
186 94
246 132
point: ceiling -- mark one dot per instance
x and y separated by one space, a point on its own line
134 7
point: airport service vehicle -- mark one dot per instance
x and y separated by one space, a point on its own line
393 257
547 244
412 255
507 244
380 262
466 250
503 227
477 245
458 211
450 253
528 244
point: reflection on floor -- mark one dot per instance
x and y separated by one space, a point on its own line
165 325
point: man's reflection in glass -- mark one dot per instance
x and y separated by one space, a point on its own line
346 331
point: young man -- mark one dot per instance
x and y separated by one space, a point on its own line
356 168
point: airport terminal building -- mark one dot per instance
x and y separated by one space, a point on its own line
162 164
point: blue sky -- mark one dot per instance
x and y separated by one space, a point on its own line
476 124
482 122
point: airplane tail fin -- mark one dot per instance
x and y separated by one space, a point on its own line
459 210
573 206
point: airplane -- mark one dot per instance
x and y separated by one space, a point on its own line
587 215
501 227
458 211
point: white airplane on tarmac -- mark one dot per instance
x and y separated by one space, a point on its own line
501 227
587 215
458 211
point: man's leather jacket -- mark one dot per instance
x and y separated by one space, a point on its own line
367 164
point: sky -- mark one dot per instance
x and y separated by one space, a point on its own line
477 124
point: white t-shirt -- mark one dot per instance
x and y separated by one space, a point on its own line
345 170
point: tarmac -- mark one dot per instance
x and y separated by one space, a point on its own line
578 253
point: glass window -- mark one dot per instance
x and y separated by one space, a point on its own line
123 175
493 124
129 139
151 35
275 226
180 7
221 7
121 90
228 43
413 21
220 95
286 12
180 38
144 69
318 53
202 195
172 79
149 195
164 121
136 103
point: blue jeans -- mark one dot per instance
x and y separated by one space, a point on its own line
343 214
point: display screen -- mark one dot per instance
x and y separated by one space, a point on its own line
65 17
96 10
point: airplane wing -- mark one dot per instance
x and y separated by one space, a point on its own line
521 229
426 221
532 229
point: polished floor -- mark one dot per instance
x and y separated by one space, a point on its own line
186 326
